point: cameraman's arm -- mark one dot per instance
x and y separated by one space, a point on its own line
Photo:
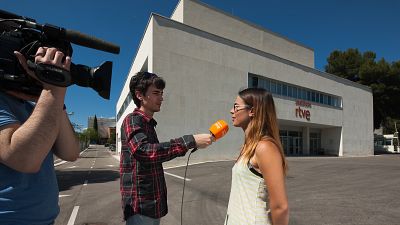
24 147
66 146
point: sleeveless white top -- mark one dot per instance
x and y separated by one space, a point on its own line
248 200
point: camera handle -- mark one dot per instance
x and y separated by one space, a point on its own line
51 74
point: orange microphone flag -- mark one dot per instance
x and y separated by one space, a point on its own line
219 129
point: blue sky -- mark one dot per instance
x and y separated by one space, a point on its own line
321 25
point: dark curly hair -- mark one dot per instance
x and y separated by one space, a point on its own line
141 81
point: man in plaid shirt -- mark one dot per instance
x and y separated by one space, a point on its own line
143 188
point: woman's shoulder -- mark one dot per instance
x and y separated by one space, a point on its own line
267 146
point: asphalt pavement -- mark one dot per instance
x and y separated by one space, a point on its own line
321 190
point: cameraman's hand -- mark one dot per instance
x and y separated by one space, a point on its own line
203 140
45 55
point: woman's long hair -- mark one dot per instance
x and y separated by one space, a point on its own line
264 124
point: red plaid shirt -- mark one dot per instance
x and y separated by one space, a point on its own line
142 183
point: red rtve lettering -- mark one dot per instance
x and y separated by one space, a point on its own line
303 113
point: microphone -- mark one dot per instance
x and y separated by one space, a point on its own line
217 130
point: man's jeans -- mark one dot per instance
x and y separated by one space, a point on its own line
142 220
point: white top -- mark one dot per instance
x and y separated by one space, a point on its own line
248 200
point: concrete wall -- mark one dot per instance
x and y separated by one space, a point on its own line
143 59
330 141
204 73
177 15
357 122
212 20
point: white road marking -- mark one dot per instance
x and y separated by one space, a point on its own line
83 151
173 175
74 213
60 163
117 157
62 196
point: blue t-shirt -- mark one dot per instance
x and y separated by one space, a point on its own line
26 198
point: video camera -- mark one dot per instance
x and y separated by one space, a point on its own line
23 34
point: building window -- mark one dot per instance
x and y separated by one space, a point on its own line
293 91
273 87
267 85
279 89
253 81
284 90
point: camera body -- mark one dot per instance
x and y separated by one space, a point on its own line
12 75
26 36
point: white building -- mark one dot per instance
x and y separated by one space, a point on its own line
206 56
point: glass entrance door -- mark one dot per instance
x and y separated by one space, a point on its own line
298 146
285 145
292 142
315 143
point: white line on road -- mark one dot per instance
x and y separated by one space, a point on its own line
57 163
85 183
62 196
173 175
60 163
74 213
117 157
83 151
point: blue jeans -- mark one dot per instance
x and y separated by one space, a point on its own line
142 220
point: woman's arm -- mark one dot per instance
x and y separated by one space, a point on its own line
269 161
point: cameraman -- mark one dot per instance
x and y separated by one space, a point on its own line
29 135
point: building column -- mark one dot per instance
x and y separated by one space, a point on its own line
306 140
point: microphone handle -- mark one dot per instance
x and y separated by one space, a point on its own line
195 148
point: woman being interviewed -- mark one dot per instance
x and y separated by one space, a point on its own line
258 193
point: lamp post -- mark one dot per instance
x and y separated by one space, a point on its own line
396 138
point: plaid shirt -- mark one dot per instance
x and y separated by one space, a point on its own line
143 187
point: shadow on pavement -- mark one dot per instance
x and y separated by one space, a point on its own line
68 179
385 153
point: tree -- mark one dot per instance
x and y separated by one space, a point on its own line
111 140
95 125
382 77
90 134
96 129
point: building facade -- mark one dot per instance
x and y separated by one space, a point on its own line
206 56
105 126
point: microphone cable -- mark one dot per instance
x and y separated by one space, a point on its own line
184 183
